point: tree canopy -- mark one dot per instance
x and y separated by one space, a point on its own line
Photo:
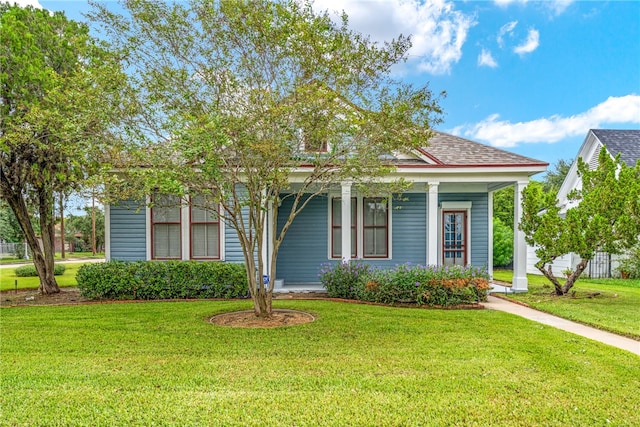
607 217
61 96
253 102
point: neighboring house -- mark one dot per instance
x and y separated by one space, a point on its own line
445 218
623 142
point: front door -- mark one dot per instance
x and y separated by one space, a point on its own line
454 237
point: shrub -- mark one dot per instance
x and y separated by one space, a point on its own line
502 243
422 285
344 280
162 280
30 270
630 266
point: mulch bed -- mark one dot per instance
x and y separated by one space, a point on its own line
247 319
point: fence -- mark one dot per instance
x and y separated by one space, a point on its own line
600 266
17 250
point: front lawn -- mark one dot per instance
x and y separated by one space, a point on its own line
616 308
57 257
163 364
8 278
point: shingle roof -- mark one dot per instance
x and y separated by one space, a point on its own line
626 142
453 150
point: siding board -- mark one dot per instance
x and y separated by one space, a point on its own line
128 231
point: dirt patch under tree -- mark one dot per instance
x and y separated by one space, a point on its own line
247 319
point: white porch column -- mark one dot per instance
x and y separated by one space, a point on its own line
519 282
490 228
107 233
345 204
432 224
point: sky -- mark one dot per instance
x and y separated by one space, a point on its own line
531 77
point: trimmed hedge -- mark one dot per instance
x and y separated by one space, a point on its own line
30 270
147 280
422 285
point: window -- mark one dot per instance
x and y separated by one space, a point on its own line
375 227
454 237
165 227
336 227
205 229
314 142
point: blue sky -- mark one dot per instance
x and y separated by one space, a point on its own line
530 77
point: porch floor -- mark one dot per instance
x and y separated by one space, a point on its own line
316 288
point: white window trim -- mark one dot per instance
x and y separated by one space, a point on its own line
360 226
454 206
185 231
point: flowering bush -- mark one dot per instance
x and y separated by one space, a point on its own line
344 279
422 285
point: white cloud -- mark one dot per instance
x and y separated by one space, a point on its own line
23 3
503 133
555 6
558 6
505 3
504 30
438 31
530 44
485 59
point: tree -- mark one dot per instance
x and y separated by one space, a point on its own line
503 206
607 217
249 103
554 178
62 94
9 228
502 243
82 224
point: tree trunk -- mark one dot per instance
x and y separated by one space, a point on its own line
262 304
574 276
560 289
48 284
548 273
19 207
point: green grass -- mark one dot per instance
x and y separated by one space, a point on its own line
164 364
8 278
615 309
68 255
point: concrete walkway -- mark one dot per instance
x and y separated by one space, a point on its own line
566 325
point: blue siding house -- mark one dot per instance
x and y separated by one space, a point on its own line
445 218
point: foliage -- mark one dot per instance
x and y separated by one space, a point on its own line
607 217
9 228
630 264
62 95
502 243
554 178
344 279
162 280
82 225
356 365
503 206
242 98
422 285
30 270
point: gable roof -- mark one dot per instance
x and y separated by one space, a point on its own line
624 142
450 150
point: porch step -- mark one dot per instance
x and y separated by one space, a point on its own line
316 288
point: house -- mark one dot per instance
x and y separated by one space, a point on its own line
623 142
445 218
